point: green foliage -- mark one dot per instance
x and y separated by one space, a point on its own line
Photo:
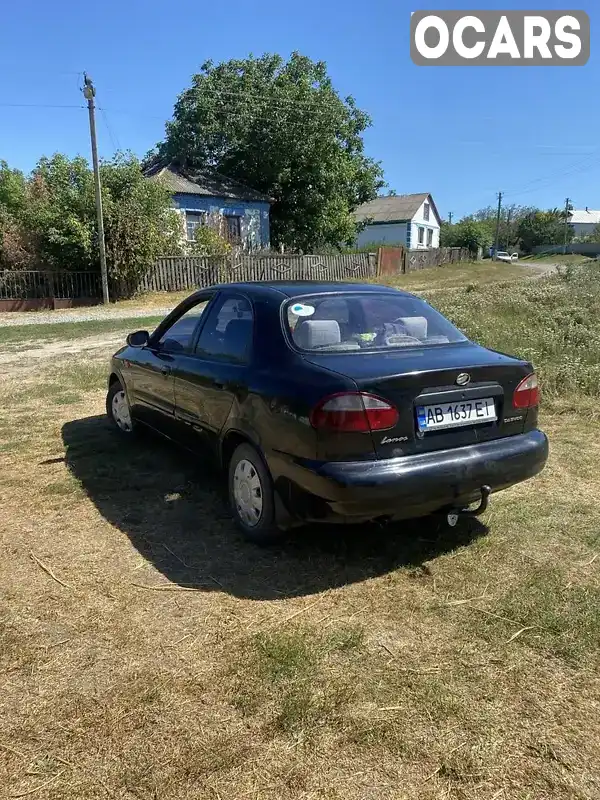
140 224
49 220
209 242
543 227
281 128
60 213
15 251
12 189
510 218
467 233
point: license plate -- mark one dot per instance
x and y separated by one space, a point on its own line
456 415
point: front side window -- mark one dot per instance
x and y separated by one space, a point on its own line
426 212
228 332
178 337
421 235
363 322
429 238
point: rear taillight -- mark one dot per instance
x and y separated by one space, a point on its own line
527 393
353 411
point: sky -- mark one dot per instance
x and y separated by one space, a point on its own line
460 133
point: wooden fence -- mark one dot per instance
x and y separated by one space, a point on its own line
422 259
189 272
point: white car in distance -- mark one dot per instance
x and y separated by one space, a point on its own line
502 256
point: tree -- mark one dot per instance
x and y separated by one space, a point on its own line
15 251
281 128
60 215
543 227
140 223
12 189
55 225
467 233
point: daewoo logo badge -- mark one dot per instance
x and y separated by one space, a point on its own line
463 379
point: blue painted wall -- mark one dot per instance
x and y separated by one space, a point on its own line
255 215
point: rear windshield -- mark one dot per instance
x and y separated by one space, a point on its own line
366 321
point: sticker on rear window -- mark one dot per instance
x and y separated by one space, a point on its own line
300 310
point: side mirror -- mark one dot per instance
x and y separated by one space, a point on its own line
138 339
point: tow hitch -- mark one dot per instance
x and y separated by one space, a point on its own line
455 514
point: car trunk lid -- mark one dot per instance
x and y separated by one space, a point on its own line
417 378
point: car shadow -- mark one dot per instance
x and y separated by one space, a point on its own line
172 507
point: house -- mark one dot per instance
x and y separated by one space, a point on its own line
240 213
584 222
408 219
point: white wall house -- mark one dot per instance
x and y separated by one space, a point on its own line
584 221
411 220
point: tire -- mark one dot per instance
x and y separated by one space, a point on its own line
251 496
118 412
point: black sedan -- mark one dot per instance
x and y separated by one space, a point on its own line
331 402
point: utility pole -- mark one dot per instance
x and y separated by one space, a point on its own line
89 92
450 215
498 224
568 207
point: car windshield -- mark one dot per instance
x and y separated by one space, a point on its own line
366 321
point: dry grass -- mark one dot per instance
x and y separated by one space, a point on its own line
146 651
460 275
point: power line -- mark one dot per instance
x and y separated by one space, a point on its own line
571 169
114 139
36 105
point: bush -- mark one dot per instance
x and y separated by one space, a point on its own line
209 242
48 221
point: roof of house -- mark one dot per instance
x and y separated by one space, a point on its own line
203 182
395 208
585 215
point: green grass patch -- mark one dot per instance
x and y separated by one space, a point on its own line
553 322
561 618
295 681
61 331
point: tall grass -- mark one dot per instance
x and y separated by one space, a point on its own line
554 323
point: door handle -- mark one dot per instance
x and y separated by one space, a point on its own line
165 371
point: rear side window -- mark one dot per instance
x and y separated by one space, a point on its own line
366 321
228 332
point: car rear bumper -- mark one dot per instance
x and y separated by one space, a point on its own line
409 486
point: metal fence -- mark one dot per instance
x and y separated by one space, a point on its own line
46 285
188 272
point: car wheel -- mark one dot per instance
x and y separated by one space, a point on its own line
117 408
251 496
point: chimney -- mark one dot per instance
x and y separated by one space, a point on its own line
586 208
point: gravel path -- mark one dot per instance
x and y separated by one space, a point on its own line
80 314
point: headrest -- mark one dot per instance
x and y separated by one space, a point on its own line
314 333
415 326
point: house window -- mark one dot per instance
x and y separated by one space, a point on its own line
233 228
429 237
426 212
421 235
192 220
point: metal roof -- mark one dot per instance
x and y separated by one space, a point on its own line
585 216
203 182
396 208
